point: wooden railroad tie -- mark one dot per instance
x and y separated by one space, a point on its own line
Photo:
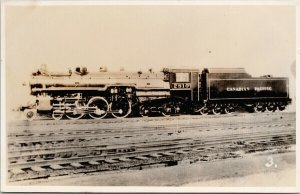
76 165
167 154
110 161
124 159
38 169
56 167
17 171
155 155
141 157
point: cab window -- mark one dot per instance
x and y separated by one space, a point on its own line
182 77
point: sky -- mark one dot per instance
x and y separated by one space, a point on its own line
260 38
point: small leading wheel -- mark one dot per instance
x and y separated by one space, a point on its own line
98 107
204 110
121 108
57 114
30 114
166 109
259 107
217 110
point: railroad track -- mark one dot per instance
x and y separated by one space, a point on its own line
99 148
150 154
83 148
87 137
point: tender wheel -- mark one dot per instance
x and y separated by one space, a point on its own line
75 114
271 107
217 110
122 106
204 110
57 115
166 110
100 107
229 109
259 107
281 107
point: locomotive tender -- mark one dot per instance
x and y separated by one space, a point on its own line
172 91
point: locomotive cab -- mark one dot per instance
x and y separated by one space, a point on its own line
184 83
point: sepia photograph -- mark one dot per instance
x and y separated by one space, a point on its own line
143 96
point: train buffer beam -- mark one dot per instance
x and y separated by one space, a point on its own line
56 167
76 165
38 169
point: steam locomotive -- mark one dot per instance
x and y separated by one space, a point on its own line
79 93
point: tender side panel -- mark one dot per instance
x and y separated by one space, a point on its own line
222 89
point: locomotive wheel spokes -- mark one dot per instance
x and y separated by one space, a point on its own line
259 107
74 115
57 114
217 109
121 108
100 106
204 110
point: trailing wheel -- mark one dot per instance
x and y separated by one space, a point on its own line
121 108
167 109
99 107
143 110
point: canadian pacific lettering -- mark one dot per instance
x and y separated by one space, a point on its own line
242 89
